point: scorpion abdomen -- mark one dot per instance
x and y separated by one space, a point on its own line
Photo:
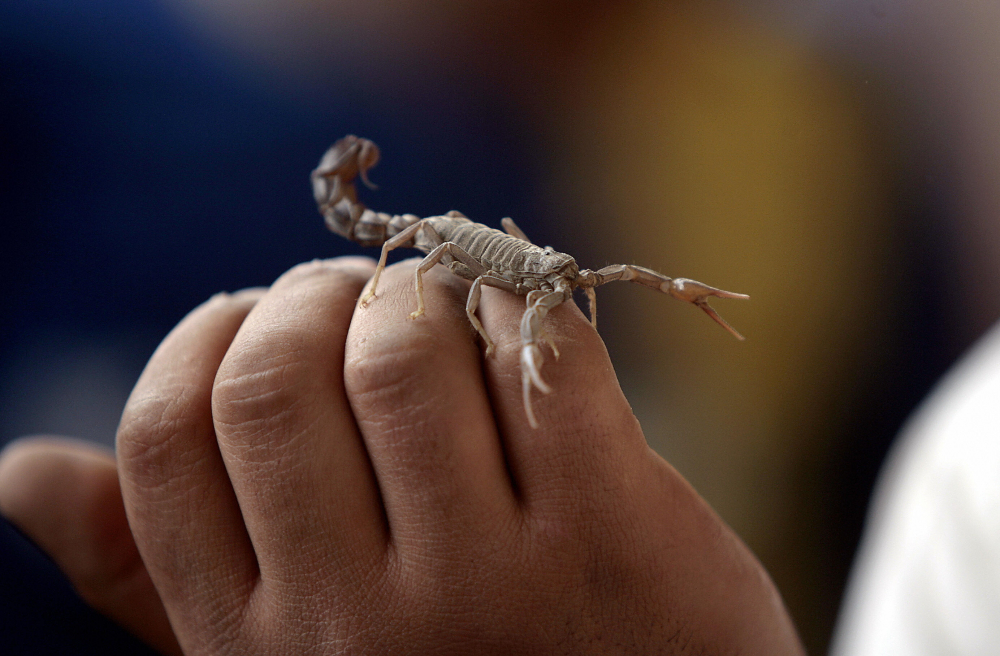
512 258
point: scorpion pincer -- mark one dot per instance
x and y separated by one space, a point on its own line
506 260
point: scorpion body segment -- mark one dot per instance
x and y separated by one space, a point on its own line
486 256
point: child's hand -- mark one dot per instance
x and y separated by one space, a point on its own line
301 476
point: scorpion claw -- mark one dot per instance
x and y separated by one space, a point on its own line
526 392
552 345
531 355
693 291
530 376
697 293
710 311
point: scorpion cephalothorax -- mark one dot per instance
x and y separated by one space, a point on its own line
507 260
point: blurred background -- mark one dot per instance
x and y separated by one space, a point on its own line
835 159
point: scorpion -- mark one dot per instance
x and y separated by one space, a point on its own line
486 256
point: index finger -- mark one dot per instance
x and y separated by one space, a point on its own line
181 508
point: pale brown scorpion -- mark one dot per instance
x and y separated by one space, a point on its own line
506 260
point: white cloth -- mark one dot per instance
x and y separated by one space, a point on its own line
927 576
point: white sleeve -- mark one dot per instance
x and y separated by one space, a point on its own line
927 575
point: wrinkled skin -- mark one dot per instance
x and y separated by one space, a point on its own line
304 477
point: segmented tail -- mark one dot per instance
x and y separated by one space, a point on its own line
337 197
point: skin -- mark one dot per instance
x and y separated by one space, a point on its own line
302 476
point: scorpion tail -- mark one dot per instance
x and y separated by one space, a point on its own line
349 158
337 196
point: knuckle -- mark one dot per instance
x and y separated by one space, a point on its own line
383 374
343 269
307 270
256 391
152 425
389 366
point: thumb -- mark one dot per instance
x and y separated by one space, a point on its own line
64 495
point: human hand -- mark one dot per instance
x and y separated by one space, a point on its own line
301 476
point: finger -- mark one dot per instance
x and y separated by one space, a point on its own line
287 433
180 504
417 390
587 436
64 495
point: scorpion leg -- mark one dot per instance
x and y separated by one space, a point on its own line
512 229
539 304
682 289
482 276
435 256
470 310
403 239
592 302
